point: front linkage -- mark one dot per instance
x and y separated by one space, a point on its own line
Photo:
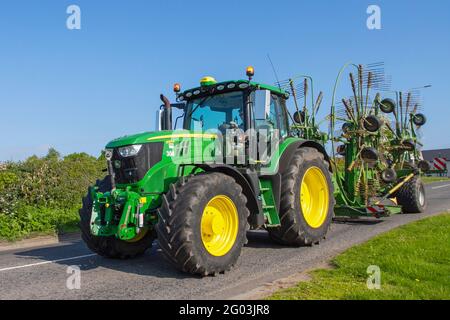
120 213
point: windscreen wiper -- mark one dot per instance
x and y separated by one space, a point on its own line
197 106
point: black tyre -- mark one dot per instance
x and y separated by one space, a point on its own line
203 223
346 127
387 105
299 117
109 247
301 221
341 150
412 197
419 119
389 175
424 166
372 123
370 154
409 145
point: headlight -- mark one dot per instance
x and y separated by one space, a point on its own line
130 151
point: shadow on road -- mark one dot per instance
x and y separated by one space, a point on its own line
357 221
152 263
261 239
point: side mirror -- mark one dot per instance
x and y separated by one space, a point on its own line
261 104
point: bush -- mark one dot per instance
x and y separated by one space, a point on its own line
43 194
9 196
29 220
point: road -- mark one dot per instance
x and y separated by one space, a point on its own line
42 273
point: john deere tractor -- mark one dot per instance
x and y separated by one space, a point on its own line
235 165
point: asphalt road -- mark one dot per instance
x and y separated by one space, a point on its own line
41 273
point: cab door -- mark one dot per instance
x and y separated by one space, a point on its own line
270 123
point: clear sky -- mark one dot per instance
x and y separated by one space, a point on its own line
75 90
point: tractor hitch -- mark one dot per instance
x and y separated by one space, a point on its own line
119 213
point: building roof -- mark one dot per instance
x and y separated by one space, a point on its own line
430 155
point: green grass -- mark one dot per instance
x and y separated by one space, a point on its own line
427 180
414 261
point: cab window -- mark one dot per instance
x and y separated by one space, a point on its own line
269 112
280 111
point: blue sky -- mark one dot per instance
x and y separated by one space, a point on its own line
75 90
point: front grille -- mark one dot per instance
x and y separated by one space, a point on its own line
132 169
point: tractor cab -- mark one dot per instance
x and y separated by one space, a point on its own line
237 104
242 113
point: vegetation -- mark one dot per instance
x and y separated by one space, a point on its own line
43 195
432 179
413 261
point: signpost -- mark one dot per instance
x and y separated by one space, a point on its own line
448 166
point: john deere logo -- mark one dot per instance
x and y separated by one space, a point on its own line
117 164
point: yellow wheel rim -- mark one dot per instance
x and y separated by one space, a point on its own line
314 197
140 236
219 225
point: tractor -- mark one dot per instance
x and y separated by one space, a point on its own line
236 164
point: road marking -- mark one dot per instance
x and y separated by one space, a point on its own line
439 187
47 262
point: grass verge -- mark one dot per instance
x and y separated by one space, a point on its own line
414 261
427 180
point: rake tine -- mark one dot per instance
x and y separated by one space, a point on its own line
305 92
348 110
360 87
369 83
294 95
408 101
318 102
352 80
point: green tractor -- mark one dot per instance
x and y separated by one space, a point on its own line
235 165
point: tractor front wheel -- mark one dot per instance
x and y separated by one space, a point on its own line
203 223
307 202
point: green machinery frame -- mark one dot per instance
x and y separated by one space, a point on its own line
357 182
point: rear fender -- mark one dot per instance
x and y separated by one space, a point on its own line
292 148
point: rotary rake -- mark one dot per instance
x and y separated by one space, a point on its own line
369 154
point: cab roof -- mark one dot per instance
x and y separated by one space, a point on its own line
227 86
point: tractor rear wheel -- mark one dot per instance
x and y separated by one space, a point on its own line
412 197
110 247
307 201
203 223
